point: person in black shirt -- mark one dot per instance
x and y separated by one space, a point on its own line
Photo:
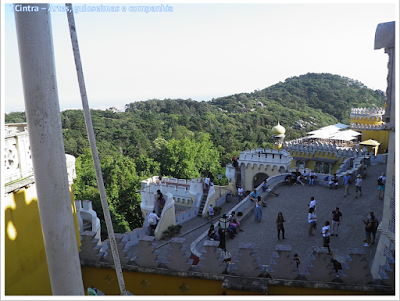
337 218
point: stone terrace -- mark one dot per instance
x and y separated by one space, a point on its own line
293 203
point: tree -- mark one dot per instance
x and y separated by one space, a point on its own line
121 183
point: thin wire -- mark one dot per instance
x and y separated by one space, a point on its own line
92 141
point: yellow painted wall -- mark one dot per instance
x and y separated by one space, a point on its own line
152 284
155 284
365 120
310 163
251 172
381 136
26 270
284 290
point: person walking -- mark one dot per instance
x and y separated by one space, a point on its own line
381 186
210 213
336 217
326 235
312 177
368 230
279 225
358 185
375 224
258 210
312 220
313 204
240 194
160 200
346 182
153 220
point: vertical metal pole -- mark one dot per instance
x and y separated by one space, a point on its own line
95 155
35 45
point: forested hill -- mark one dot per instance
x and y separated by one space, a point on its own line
186 138
332 94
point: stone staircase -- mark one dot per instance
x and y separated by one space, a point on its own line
203 202
238 177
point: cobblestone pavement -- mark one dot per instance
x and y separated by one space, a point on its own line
293 203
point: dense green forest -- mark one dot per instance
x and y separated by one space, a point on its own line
186 138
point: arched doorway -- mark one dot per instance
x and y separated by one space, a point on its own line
259 178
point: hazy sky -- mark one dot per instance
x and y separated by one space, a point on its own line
204 51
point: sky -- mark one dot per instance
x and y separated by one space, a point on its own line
203 51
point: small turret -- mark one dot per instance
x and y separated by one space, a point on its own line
278 134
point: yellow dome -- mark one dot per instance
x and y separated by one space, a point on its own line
278 130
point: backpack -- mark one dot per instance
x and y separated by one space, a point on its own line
380 181
375 224
151 220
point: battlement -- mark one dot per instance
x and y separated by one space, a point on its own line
343 151
281 268
370 127
267 156
366 112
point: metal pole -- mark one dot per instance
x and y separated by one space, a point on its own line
95 155
42 108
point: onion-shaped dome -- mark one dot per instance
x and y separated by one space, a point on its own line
278 130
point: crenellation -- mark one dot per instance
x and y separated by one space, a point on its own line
246 263
90 249
211 260
319 265
147 255
281 263
356 267
366 127
124 257
178 258
366 112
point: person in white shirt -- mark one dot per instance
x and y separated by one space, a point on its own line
240 194
304 175
334 182
358 185
313 204
326 235
207 182
312 220
153 219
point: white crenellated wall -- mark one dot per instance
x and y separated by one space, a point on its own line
370 127
366 112
340 151
86 215
17 153
183 191
267 161
230 173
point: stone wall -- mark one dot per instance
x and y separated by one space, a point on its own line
319 268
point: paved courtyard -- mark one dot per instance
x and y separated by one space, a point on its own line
293 203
